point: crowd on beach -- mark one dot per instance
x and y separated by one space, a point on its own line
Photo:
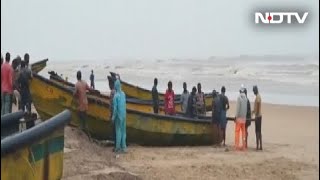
15 80
194 105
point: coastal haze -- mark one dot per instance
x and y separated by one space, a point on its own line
214 43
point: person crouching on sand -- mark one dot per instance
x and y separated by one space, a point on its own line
119 118
241 114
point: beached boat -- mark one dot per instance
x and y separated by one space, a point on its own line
50 97
132 103
145 94
39 65
36 153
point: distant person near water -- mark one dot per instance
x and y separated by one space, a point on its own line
24 83
225 107
258 117
155 96
169 107
248 117
6 86
119 118
216 111
80 94
184 98
191 108
92 80
240 120
201 103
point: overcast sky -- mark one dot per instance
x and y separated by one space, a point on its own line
99 29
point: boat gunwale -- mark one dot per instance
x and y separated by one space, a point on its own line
146 90
20 140
40 62
12 118
129 99
100 102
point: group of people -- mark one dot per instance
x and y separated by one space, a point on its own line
118 109
243 116
194 105
15 80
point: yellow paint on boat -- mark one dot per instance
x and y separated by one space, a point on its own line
31 162
50 97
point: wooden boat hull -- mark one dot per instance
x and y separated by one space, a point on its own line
36 153
50 97
145 94
38 66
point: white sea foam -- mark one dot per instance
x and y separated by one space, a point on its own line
282 79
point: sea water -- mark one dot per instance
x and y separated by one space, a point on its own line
290 80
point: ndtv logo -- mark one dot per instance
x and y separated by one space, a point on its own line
269 17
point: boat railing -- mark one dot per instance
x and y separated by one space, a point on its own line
29 136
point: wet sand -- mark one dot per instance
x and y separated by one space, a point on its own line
290 142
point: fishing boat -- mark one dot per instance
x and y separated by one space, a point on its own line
145 94
36 153
39 65
50 97
132 103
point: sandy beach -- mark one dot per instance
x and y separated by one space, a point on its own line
291 151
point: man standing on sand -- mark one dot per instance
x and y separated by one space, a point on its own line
241 114
119 118
201 103
92 80
184 98
169 107
155 96
80 94
216 111
6 86
225 107
248 120
258 117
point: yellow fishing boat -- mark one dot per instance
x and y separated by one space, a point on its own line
36 153
38 66
145 94
51 97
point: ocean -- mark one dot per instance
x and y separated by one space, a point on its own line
290 80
